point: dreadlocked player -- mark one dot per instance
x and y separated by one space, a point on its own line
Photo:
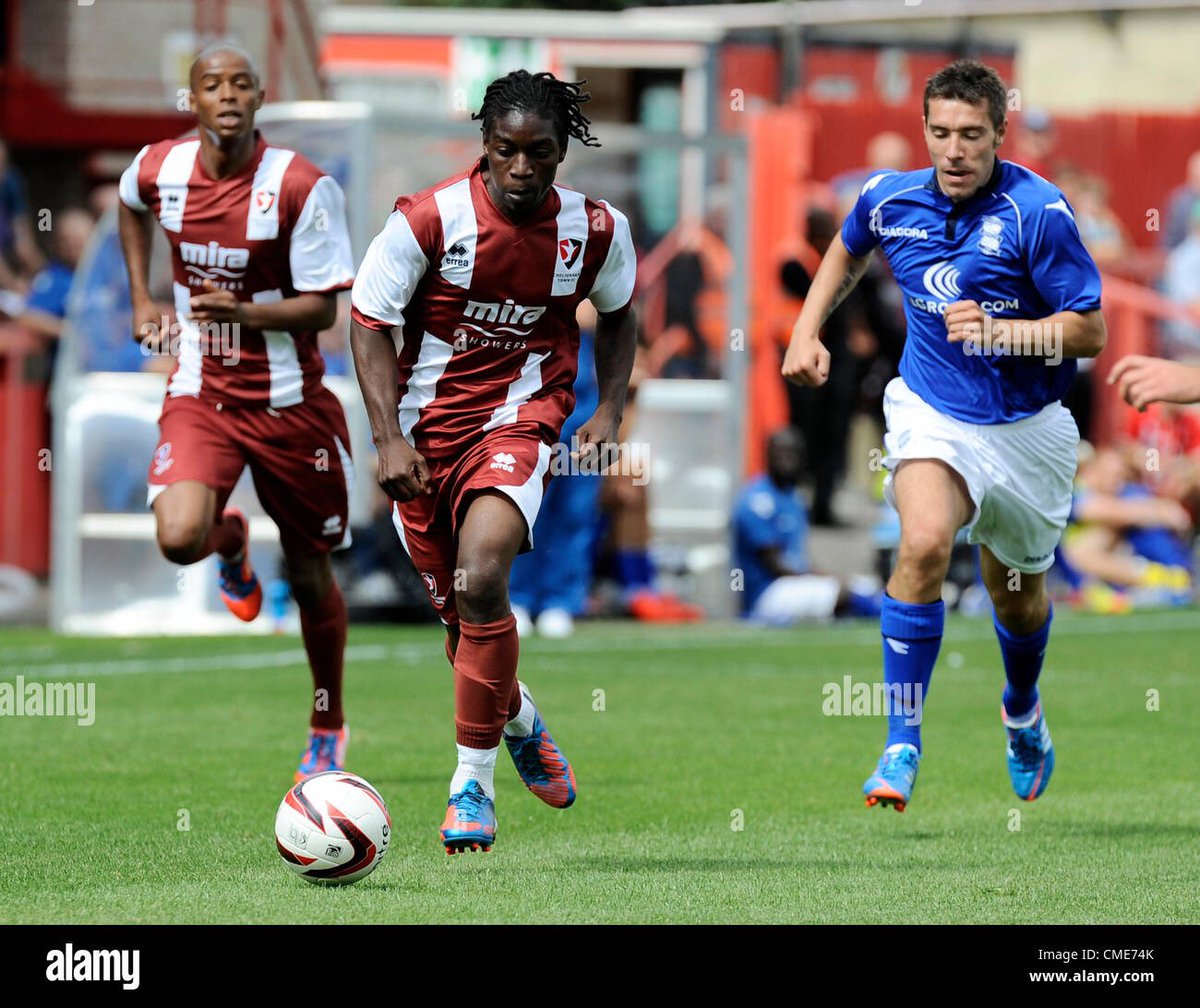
466 347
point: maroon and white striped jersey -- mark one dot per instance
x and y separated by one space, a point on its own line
486 307
273 230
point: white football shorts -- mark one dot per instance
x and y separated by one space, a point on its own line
1019 475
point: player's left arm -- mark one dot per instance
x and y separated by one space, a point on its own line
320 262
616 347
1068 281
1062 334
616 336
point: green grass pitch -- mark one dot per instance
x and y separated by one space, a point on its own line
678 735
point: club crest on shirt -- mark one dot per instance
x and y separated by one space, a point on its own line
568 251
991 235
162 458
264 199
431 585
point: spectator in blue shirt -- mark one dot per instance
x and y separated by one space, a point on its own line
770 532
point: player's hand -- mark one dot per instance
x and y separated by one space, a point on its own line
1144 380
595 442
806 361
403 472
216 305
965 320
148 326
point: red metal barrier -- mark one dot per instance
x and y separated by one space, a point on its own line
25 459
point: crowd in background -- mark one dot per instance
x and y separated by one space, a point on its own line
1132 531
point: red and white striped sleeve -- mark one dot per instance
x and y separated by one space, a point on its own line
389 275
614 284
130 187
319 254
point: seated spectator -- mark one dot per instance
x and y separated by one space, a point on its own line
1126 545
1181 283
46 303
1181 203
1099 227
1163 449
19 255
770 534
1036 143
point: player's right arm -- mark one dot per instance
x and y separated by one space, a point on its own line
386 282
807 361
136 229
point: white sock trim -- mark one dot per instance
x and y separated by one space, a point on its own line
522 725
477 765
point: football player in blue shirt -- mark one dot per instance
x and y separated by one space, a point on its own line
1000 299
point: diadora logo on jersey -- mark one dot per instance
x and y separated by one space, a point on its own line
991 235
568 251
899 646
504 462
214 262
941 280
332 526
877 227
457 255
263 200
431 585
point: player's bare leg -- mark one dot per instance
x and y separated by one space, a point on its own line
323 624
933 503
188 530
1022 622
489 702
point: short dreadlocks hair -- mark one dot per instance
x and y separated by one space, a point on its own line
542 94
969 81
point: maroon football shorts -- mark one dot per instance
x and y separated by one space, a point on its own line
299 458
513 460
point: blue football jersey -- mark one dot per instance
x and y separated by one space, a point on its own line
1013 247
766 516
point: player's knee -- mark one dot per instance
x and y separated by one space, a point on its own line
1021 612
182 541
310 580
926 551
482 588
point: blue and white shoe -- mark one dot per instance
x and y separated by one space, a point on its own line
540 762
326 750
470 822
1030 753
894 777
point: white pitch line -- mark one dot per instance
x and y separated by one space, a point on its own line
734 636
258 660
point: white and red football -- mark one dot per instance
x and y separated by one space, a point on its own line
332 828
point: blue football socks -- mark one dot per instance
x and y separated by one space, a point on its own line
912 635
1023 657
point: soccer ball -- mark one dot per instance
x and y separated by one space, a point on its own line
332 828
